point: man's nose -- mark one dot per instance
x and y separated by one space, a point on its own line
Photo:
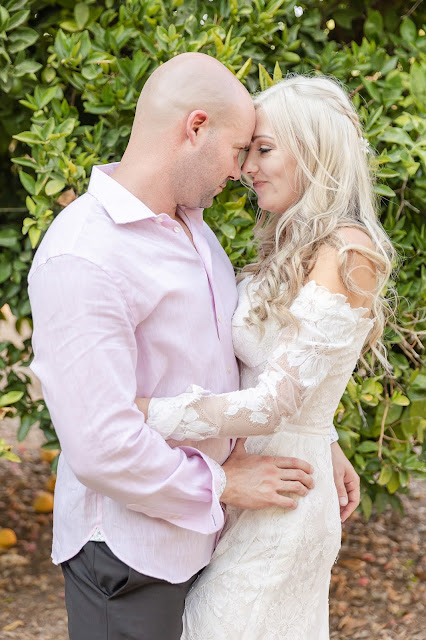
236 171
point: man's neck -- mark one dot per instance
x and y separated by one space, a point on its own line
144 184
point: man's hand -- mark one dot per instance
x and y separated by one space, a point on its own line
347 482
258 482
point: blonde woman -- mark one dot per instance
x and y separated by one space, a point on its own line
307 309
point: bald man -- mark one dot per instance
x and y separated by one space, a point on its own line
132 296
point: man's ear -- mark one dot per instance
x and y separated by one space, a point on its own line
197 121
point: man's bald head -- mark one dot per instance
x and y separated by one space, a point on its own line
189 82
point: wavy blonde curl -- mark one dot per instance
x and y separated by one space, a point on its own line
313 118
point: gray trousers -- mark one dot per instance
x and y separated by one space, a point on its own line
107 600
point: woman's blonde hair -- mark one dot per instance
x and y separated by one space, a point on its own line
313 118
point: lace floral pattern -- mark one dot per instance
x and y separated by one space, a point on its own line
330 333
269 575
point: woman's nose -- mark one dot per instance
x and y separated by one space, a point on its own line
249 167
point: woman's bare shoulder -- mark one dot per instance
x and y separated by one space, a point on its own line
361 269
356 236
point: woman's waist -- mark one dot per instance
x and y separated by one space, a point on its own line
296 441
304 428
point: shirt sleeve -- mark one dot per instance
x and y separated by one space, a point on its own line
85 357
328 331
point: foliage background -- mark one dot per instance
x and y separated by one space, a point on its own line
70 76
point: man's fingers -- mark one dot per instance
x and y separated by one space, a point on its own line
285 502
297 475
292 463
293 487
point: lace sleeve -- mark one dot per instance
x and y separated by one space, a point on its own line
327 327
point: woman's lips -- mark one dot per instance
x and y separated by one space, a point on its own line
256 185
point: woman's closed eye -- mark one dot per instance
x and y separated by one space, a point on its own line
264 150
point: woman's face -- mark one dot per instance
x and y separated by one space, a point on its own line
271 169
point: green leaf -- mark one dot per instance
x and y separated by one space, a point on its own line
360 461
372 89
384 190
42 97
27 181
399 399
8 455
25 426
31 206
4 17
34 235
289 56
396 135
8 238
98 108
368 446
418 82
385 476
228 230
393 483
5 271
278 74
81 14
265 79
381 501
29 137
15 5
408 30
10 398
366 505
54 186
27 66
244 70
17 19
373 26
22 38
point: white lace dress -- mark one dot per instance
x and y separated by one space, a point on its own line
269 575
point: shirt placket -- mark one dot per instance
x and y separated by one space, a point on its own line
203 249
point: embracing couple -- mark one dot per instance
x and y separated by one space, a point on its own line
137 326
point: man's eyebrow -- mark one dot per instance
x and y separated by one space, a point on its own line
261 136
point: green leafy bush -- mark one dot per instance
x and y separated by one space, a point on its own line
70 76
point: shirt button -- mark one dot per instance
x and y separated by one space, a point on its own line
229 369
176 229
219 318
159 220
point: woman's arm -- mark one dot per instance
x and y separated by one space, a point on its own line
302 359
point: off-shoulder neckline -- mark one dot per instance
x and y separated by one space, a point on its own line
343 300
338 296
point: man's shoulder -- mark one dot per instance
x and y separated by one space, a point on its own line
74 232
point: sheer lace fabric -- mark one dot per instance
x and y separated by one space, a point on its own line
269 575
329 331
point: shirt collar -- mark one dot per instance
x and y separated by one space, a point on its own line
121 204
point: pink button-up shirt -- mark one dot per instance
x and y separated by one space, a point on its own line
125 307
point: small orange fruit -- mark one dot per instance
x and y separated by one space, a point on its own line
7 538
50 484
43 503
47 455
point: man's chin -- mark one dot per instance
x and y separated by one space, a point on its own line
207 201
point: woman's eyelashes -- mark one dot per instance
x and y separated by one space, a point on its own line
264 150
